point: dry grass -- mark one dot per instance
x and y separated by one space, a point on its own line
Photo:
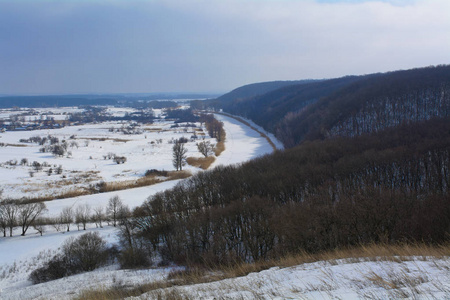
201 162
16 145
195 275
374 252
155 129
144 181
106 139
120 292
112 186
67 194
157 292
220 147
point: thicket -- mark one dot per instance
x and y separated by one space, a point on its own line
387 187
85 253
213 126
182 115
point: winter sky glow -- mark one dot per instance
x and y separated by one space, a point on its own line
80 46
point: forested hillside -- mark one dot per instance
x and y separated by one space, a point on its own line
388 187
349 106
369 162
255 89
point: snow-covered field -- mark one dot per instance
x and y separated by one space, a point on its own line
89 146
20 255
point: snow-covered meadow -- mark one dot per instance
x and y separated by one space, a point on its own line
149 149
89 156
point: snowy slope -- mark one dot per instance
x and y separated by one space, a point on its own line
342 279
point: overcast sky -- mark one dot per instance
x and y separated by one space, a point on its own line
113 46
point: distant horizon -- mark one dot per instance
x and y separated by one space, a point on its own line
120 46
116 94
206 93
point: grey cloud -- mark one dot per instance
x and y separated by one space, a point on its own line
146 46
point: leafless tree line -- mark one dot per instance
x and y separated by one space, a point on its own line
15 214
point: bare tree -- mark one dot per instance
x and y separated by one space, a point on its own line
39 226
66 217
82 214
8 218
114 207
98 216
205 148
27 213
179 156
3 219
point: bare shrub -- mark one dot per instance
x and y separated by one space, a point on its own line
86 252
81 254
119 159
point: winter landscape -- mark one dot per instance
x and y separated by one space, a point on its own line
224 149
84 165
149 147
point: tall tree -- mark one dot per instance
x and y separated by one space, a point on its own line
8 216
179 156
114 208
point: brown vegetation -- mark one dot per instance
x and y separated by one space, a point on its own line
103 187
107 139
201 162
202 274
220 147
